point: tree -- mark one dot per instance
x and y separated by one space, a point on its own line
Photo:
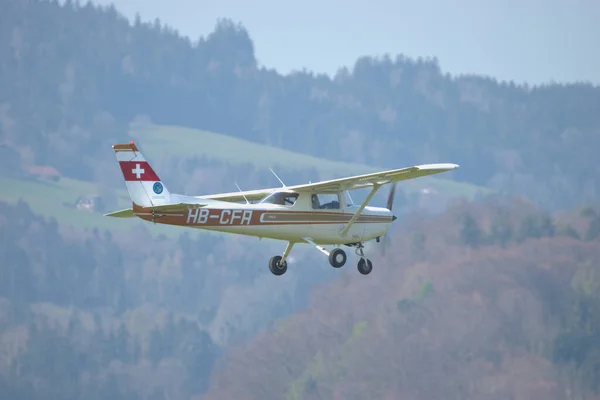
593 230
418 244
471 233
501 229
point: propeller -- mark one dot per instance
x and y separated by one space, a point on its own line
389 205
390 200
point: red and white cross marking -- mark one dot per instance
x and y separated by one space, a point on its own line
138 171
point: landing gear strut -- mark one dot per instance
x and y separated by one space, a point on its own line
337 258
278 264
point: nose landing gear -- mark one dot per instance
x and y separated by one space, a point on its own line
365 266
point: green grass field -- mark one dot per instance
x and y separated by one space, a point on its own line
51 199
56 199
157 140
187 142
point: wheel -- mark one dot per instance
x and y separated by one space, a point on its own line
365 266
337 258
276 266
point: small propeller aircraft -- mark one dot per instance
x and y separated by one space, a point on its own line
319 214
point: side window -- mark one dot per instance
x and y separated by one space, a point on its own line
324 201
290 199
315 201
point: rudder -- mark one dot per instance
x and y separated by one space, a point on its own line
143 184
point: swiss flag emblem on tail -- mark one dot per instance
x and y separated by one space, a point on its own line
138 171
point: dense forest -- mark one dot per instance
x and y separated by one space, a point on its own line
497 298
501 289
87 313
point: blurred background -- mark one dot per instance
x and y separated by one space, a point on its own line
489 287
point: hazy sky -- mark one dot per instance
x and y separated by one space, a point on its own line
523 40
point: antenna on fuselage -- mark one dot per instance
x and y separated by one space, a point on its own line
243 195
282 184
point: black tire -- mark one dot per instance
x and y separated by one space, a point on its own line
337 258
276 266
365 266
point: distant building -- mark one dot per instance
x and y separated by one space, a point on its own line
428 190
90 203
44 171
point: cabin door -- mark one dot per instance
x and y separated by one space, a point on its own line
326 213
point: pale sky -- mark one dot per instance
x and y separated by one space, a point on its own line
532 41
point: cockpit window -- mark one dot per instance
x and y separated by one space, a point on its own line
281 198
325 201
349 201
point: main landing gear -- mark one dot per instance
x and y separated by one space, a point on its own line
278 264
337 259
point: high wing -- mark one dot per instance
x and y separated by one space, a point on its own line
376 178
350 183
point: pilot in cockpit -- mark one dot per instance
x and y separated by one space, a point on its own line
315 201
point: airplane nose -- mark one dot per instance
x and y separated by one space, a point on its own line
394 218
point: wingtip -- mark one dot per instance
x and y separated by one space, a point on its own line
440 166
449 166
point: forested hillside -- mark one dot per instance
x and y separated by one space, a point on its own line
502 291
506 291
96 315
487 301
73 78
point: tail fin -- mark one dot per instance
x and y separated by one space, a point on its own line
144 186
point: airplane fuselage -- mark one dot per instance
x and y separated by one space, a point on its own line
323 226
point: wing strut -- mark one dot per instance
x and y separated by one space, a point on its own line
320 248
376 187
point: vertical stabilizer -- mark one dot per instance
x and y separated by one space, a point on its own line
143 184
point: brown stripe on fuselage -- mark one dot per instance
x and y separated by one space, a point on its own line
247 217
317 217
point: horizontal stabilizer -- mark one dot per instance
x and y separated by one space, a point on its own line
137 210
127 213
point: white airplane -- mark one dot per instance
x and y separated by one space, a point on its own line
320 213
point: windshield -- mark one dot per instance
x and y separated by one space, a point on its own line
281 198
348 198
